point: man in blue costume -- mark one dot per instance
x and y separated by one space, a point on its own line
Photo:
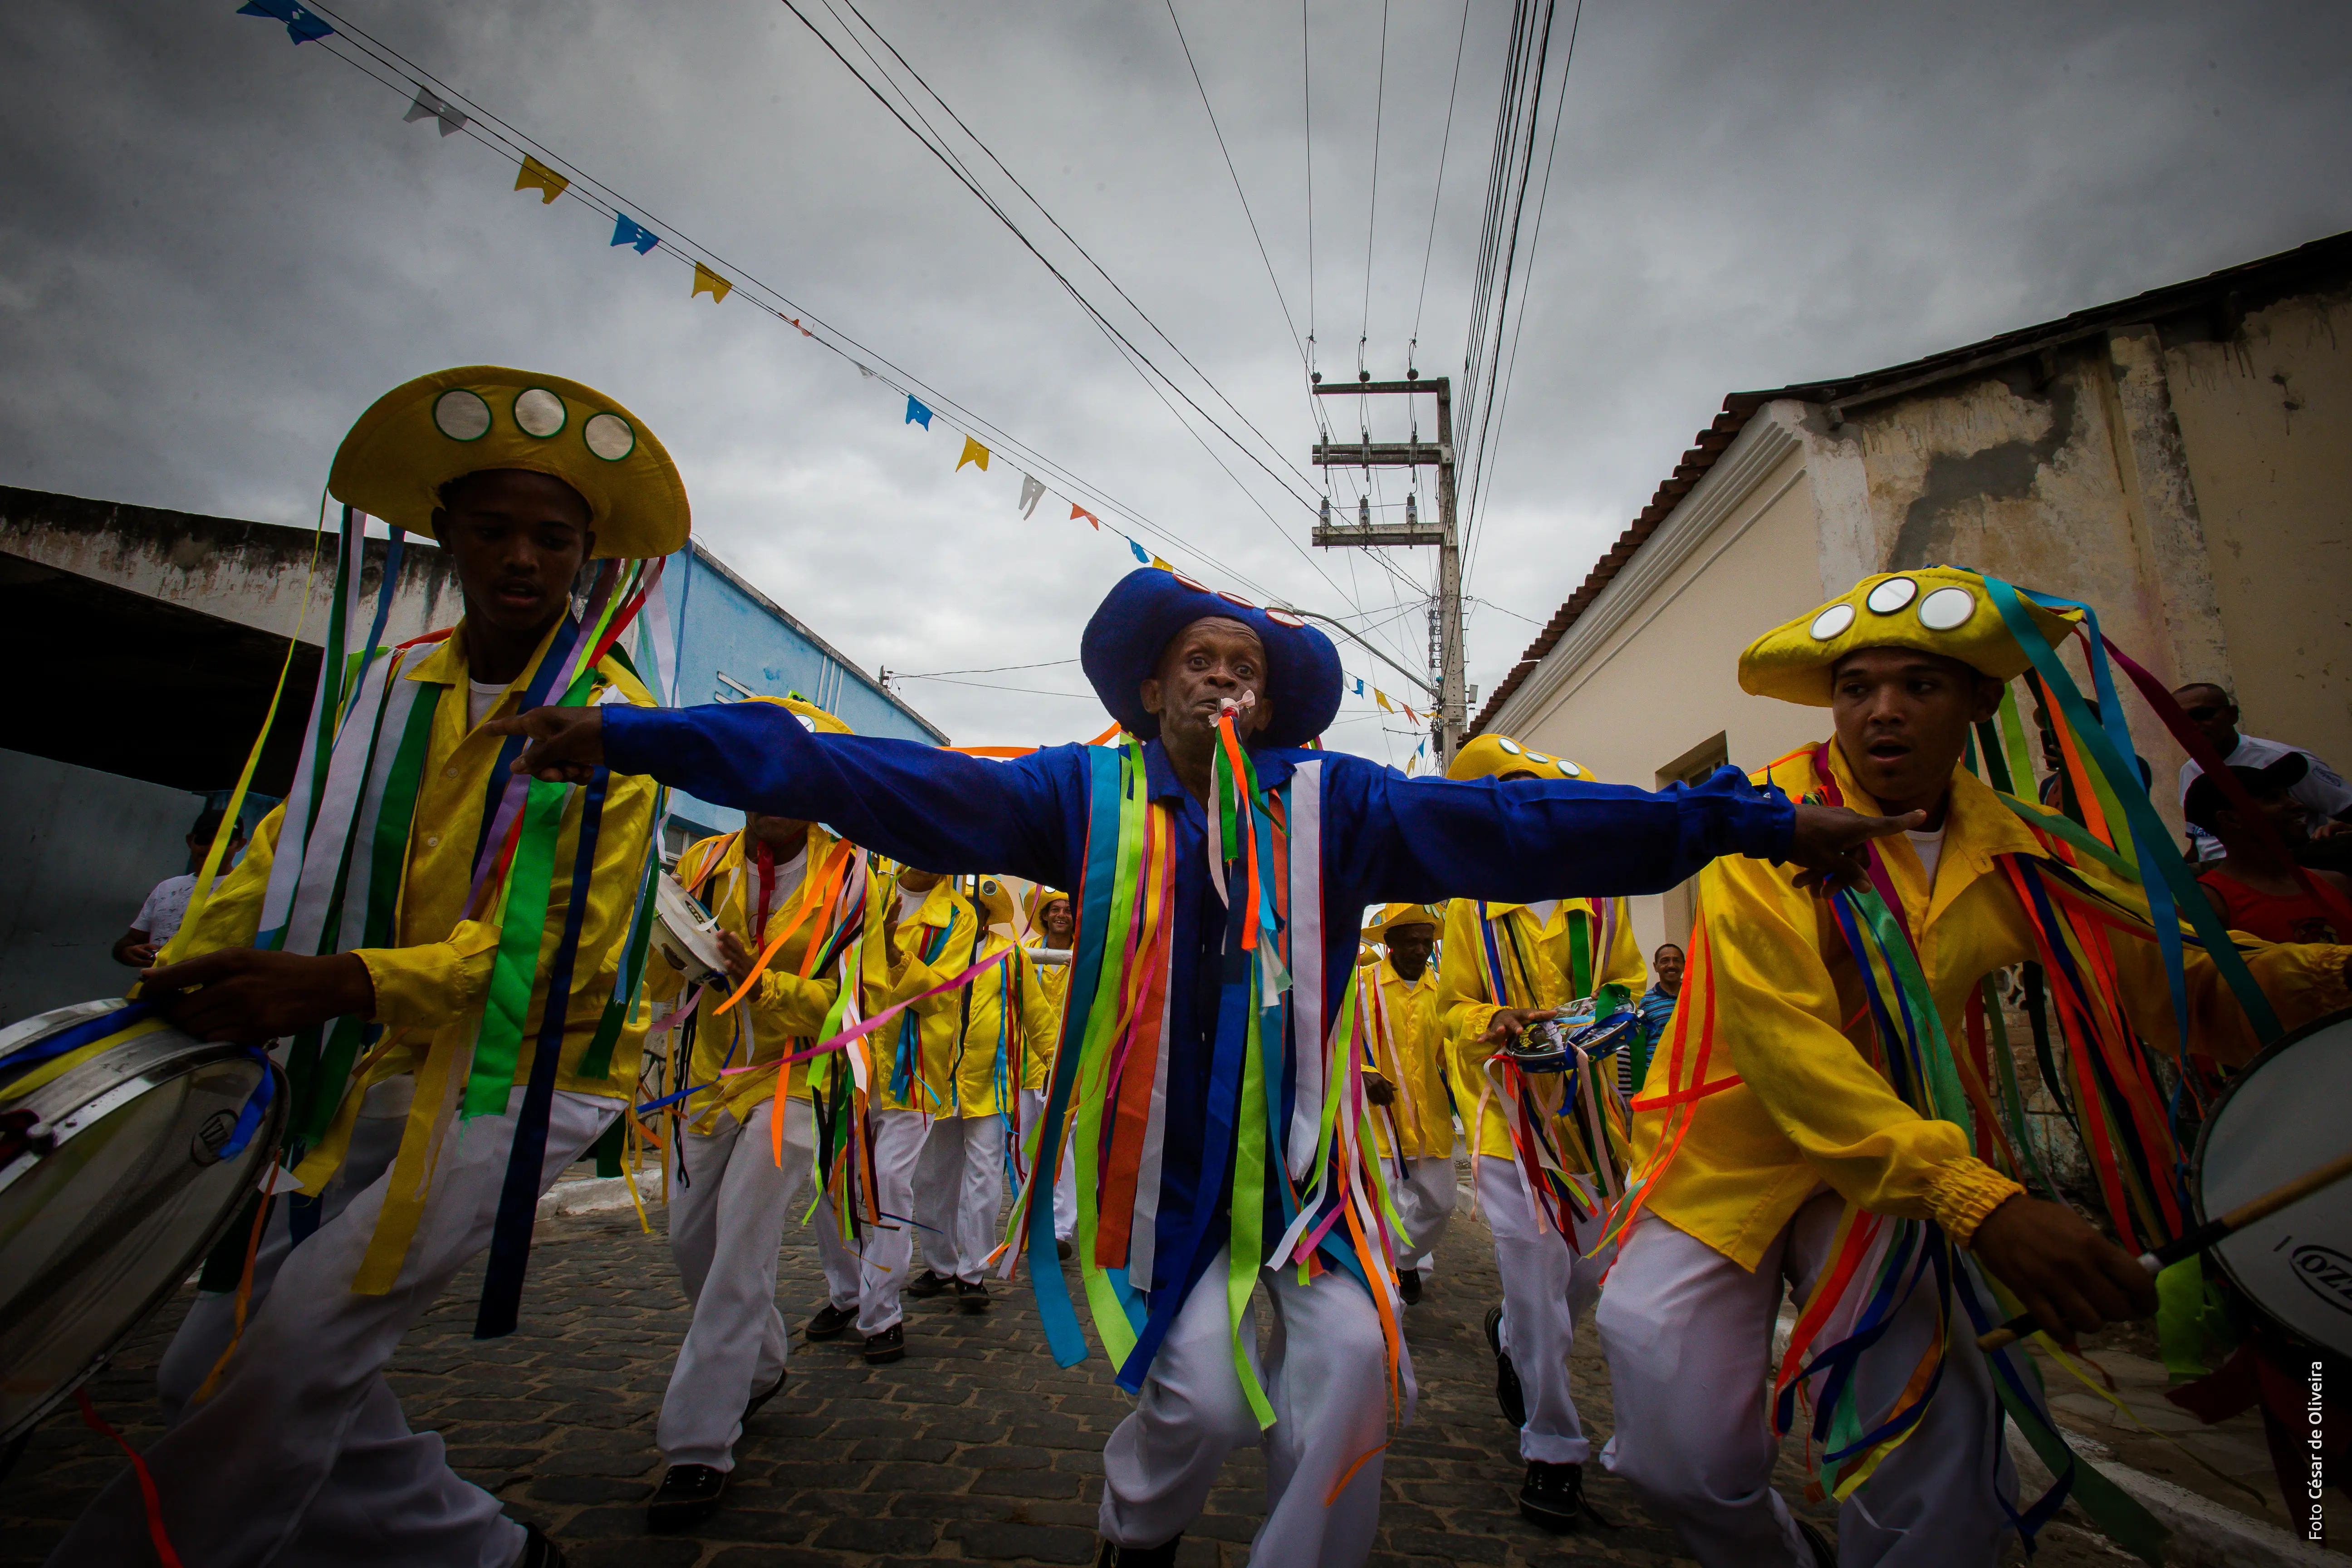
1170 659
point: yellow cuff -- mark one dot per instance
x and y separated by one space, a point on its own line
1963 1192
2334 986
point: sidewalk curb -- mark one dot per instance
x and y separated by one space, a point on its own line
2205 1533
590 1195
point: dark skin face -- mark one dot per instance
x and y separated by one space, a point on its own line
1667 963
1207 667
1409 950
2209 708
518 539
1055 923
1902 719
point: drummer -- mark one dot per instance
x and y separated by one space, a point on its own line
1766 1118
1413 1120
788 883
300 1453
1508 965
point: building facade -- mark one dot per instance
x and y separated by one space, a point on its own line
2181 461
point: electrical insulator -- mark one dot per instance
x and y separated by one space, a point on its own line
1326 512
1364 512
1412 511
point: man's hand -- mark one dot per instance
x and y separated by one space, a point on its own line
138 954
739 956
2072 1278
1378 1089
249 996
567 744
1507 1023
1829 839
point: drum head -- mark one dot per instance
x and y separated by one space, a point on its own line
122 1191
684 934
2279 1118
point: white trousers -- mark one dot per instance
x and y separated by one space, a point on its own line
302 1456
958 1188
1065 1190
1689 1338
1330 1413
883 1250
726 1225
1546 1284
1424 1200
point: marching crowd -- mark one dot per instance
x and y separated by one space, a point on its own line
1203 1077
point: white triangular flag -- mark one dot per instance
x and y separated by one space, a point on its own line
1031 493
426 106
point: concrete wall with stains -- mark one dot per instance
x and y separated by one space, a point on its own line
2266 422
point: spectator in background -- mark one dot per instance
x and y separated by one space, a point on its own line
159 918
2057 789
2253 887
1656 1010
2325 797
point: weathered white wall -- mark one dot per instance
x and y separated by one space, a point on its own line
2266 421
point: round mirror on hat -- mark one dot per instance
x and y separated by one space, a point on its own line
1833 621
609 435
1947 609
1892 595
461 415
538 412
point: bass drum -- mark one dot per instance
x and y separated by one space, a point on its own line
2283 1115
122 1161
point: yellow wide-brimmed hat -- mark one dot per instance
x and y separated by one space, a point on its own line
1038 897
421 435
1944 610
995 900
1491 756
1376 930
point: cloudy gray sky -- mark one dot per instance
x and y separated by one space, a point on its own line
219 247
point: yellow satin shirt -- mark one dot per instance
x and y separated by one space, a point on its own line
1536 956
1803 1105
1408 1050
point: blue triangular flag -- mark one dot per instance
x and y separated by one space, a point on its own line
627 230
302 26
1140 553
1359 686
917 415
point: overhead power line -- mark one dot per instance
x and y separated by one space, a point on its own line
1429 247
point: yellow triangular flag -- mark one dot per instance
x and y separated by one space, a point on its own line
973 452
1383 699
1161 564
537 176
706 281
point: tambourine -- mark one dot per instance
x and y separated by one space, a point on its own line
687 934
132 1152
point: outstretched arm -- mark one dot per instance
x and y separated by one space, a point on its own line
1421 840
938 809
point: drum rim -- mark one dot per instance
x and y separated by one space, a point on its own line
78 1100
2205 1132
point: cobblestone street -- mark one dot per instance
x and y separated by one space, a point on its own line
976 1447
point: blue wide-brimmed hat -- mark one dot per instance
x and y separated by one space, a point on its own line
1149 606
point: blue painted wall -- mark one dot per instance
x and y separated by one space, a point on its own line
734 642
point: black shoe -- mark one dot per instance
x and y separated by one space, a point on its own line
889 1345
1552 1497
687 1495
1117 1556
972 1296
1507 1392
927 1284
1409 1287
829 1321
751 1406
1063 1246
1825 1553
538 1549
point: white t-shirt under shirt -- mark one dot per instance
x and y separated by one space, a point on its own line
2321 789
482 696
166 907
1542 909
1929 848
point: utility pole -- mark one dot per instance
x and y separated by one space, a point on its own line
1451 716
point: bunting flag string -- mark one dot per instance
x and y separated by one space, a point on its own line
549 175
